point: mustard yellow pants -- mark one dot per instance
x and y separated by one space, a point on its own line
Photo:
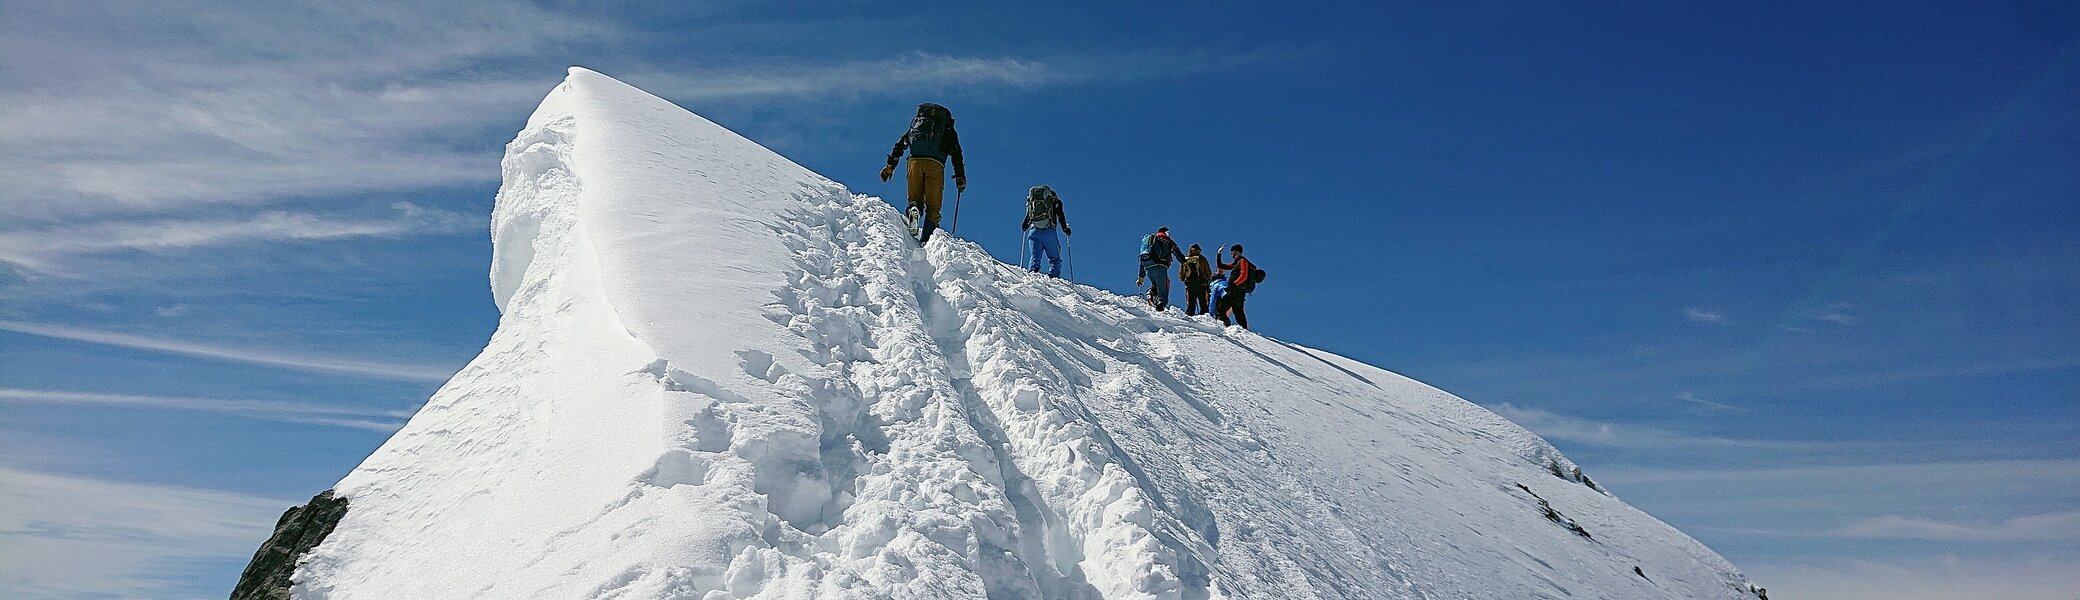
927 179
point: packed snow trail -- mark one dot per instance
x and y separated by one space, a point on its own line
718 375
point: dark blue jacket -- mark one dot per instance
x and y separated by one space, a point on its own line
924 145
1160 249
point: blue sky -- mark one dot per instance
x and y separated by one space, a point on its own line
1798 278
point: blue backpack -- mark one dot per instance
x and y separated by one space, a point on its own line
1154 250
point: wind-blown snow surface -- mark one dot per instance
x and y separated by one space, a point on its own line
719 375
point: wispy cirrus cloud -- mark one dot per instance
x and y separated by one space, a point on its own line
1704 315
2052 526
1992 512
1934 501
146 107
1692 398
1937 577
271 410
1625 435
76 537
266 357
907 73
854 77
41 250
1839 314
1949 477
149 107
1977 368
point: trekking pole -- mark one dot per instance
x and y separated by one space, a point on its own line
956 210
1069 254
1023 242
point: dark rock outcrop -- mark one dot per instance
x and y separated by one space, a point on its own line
302 528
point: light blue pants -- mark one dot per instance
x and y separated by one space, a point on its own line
1158 276
1045 241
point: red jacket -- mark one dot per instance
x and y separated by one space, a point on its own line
1240 271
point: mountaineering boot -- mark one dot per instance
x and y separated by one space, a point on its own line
911 217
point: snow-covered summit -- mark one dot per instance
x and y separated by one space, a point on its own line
719 375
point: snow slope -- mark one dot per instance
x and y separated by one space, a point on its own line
719 375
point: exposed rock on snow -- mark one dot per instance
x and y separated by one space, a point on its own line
300 529
719 375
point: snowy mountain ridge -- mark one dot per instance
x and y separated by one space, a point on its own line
718 375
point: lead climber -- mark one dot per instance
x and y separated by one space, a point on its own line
931 140
1043 215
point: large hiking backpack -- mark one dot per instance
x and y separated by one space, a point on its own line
1157 249
1256 276
1194 269
928 130
1040 207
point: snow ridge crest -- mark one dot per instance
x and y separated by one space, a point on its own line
719 375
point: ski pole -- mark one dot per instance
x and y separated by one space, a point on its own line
1069 254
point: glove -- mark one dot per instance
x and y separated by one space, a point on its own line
887 172
960 183
1140 280
1065 229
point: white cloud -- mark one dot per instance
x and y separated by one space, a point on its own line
1932 477
128 118
1958 371
154 106
1838 318
1941 577
854 77
923 70
1839 313
2053 526
1702 315
1951 502
73 537
1692 398
1620 435
43 250
271 410
273 358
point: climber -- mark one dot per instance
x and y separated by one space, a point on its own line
1241 278
931 140
1156 251
1195 274
1043 215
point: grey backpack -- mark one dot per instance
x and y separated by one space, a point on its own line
1041 206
